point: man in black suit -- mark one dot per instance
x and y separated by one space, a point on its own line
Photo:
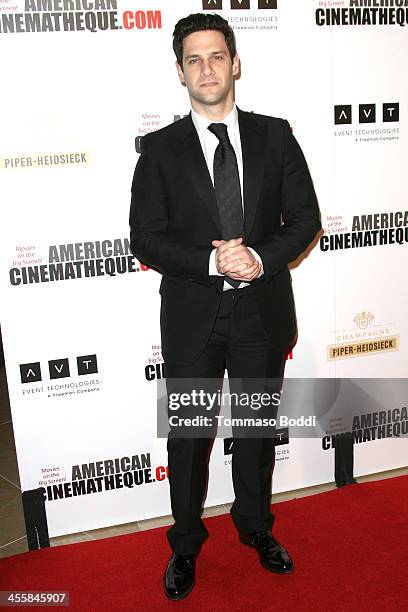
222 201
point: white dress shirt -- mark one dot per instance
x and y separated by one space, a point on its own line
209 143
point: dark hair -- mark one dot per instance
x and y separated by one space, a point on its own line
198 22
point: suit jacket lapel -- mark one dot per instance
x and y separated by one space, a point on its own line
196 168
253 143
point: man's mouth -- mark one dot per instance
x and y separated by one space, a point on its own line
209 84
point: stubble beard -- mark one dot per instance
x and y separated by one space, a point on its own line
210 100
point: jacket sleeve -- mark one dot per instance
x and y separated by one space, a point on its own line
150 239
300 211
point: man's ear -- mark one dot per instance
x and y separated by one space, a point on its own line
235 64
180 73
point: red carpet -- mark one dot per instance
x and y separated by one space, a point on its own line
350 548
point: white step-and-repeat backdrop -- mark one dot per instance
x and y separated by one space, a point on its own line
82 82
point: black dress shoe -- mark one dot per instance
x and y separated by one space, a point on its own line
272 555
179 576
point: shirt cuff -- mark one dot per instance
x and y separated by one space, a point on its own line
212 267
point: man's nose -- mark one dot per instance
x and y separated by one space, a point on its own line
207 67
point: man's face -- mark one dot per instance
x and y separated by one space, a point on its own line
207 69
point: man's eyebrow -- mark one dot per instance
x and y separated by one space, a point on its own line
197 54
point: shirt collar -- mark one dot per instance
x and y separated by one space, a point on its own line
201 123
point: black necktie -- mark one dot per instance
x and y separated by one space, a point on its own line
227 188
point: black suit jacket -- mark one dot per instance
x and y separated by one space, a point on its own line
174 217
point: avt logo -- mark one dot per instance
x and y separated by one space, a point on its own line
58 368
343 113
281 438
216 5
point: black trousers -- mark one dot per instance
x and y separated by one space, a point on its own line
239 343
